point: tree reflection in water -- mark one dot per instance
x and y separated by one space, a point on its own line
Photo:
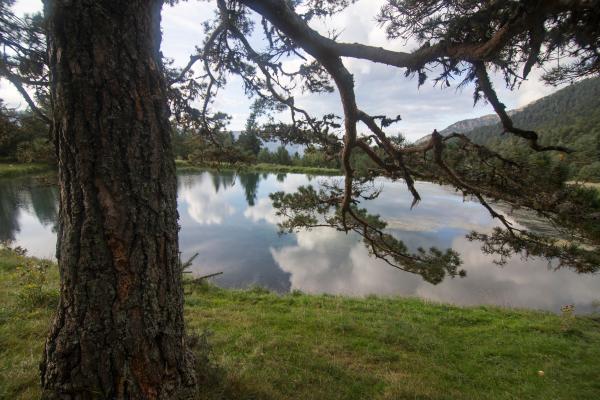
229 219
18 194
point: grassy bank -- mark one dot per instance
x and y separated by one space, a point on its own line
12 170
595 185
300 346
185 166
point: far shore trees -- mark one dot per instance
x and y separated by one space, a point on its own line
119 330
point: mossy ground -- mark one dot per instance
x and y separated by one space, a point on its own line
298 346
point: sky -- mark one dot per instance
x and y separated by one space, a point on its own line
379 89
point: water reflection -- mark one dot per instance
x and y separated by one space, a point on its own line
28 215
229 220
321 261
9 208
249 180
205 205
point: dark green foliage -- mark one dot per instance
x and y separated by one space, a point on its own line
569 117
503 244
7 127
309 208
23 57
542 32
24 138
590 172
219 147
282 156
249 143
264 156
36 290
184 143
39 150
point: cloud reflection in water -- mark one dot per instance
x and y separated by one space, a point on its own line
229 220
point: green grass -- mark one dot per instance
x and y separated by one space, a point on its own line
300 346
13 170
186 166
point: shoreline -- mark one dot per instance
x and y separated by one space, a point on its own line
16 170
185 166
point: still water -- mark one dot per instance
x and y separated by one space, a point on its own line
228 219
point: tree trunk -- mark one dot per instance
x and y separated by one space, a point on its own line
119 330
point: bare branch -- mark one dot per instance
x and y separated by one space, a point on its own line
14 80
485 85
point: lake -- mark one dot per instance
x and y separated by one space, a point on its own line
228 219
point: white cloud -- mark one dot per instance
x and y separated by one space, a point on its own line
380 89
38 239
204 205
28 6
12 98
326 261
263 211
520 283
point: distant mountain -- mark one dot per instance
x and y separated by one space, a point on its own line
564 117
467 125
422 140
569 117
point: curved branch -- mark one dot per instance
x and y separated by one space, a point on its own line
19 86
438 147
485 85
186 69
284 18
392 151
280 14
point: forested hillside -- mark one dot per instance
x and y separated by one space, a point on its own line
569 117
467 125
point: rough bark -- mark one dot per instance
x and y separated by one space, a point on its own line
119 330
